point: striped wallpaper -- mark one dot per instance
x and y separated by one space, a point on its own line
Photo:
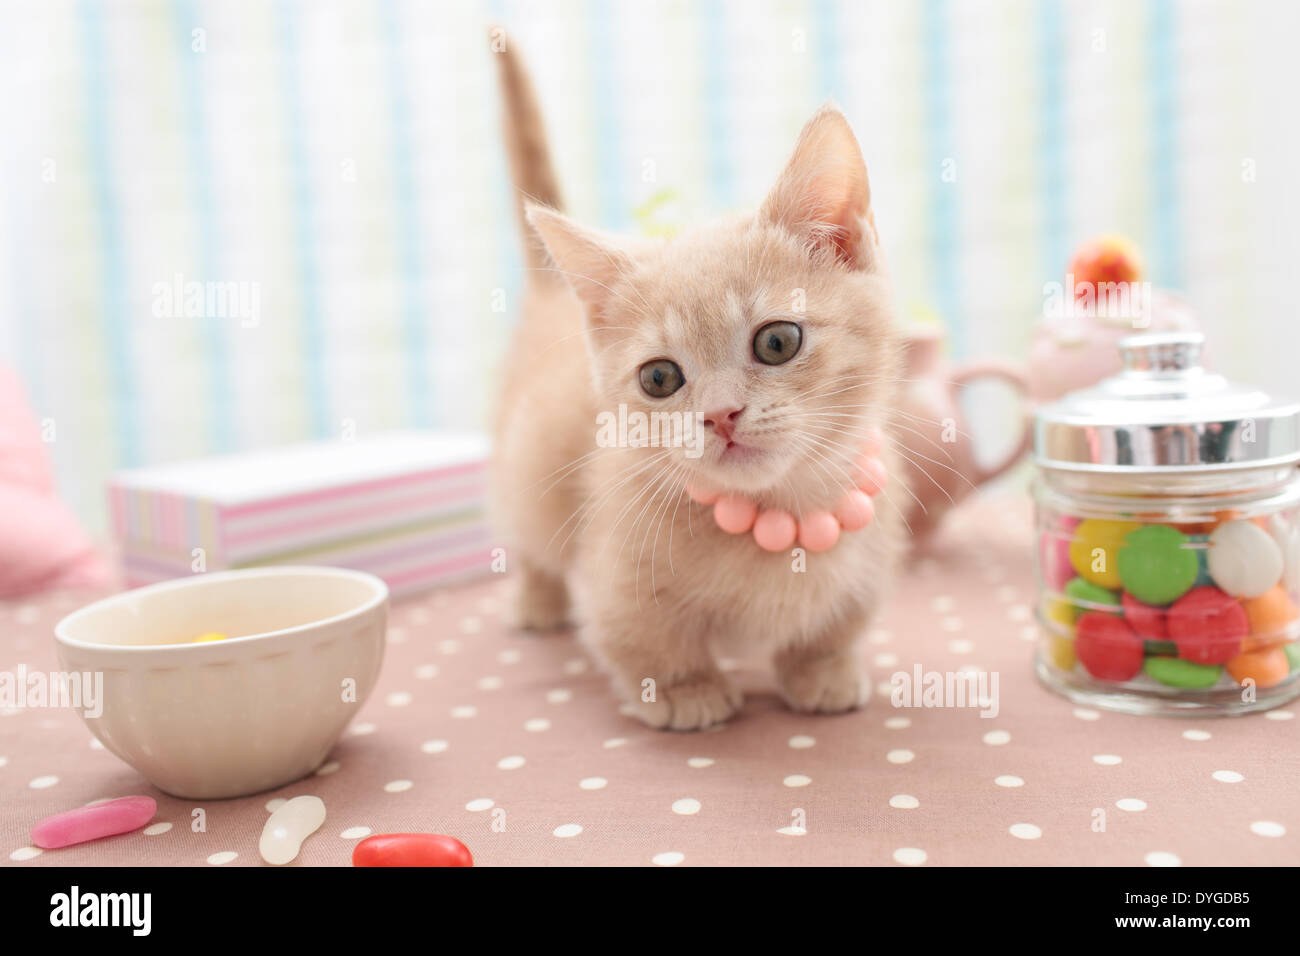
338 164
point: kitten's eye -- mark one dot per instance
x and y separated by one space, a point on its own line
661 378
777 342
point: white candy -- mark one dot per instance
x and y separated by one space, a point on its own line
1244 559
1287 537
288 826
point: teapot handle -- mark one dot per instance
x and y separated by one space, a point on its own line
1014 376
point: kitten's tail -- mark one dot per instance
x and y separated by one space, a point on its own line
530 158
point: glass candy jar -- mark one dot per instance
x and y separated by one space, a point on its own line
1167 515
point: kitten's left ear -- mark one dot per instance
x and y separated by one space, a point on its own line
823 196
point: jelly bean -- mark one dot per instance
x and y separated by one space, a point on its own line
290 824
411 849
1156 565
1147 621
1107 647
211 636
1244 560
1207 625
1265 668
1269 615
1095 548
1180 673
108 818
1087 596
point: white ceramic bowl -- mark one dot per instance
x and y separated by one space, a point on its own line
233 717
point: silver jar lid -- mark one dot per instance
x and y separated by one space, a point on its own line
1164 412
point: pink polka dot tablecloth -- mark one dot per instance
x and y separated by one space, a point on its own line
512 743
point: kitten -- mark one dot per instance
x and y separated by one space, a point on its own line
779 330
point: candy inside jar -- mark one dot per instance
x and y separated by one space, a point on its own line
1168 538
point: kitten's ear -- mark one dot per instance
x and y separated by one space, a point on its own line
823 196
589 261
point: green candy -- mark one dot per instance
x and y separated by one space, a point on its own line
1293 655
1156 565
1085 596
1180 673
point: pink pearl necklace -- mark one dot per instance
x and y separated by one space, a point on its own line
776 529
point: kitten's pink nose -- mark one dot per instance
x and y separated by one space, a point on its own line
723 422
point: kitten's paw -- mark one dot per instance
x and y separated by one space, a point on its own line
690 705
539 603
824 685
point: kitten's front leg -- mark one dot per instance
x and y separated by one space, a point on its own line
823 675
667 674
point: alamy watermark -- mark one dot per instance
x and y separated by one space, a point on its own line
79 690
1127 302
181 299
636 429
975 689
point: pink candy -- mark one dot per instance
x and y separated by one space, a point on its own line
93 822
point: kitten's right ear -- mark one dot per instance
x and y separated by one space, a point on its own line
591 263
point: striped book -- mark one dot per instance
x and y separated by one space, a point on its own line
407 506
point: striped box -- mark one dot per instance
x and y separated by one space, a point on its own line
407 506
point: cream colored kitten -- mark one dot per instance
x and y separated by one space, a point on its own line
779 329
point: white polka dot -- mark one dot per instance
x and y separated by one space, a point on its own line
360 730
1131 804
1029 633
426 671
671 858
398 698
491 682
326 769
1267 828
699 763
1083 713
537 725
879 636
566 830
898 723
614 742
884 688
275 803
479 805
1162 858
576 666
511 763
561 695
797 780
996 738
464 711
900 756
398 786
25 853
1196 735
960 646
909 856
3 761
355 833
217 859
42 783
952 624
1008 780
1006 593
157 829
397 635
1227 776
509 656
419 616
28 614
904 801
886 659
1025 831
1107 760
471 625
95 744
434 746
686 806
448 646
593 783
801 741
1019 612
792 831
1279 715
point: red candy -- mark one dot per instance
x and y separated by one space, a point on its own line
1107 647
1146 619
1208 626
411 849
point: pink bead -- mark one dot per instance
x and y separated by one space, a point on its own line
871 476
775 530
873 439
701 495
734 514
90 823
819 531
855 510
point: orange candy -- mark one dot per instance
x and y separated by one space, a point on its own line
1269 615
1265 668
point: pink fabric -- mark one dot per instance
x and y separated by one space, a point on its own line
43 546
